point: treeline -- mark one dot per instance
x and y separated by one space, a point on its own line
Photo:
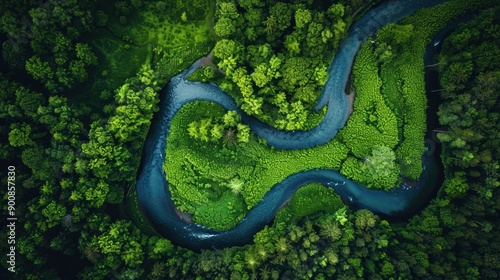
73 164
70 175
458 231
341 246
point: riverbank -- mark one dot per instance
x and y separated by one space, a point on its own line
390 203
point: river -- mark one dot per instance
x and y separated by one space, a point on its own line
155 199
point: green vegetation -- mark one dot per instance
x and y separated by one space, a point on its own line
129 31
470 87
274 57
79 85
400 49
371 125
201 172
312 199
229 128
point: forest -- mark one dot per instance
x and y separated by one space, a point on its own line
81 83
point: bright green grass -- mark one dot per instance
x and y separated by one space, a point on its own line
165 27
312 198
117 62
122 48
223 213
167 33
199 173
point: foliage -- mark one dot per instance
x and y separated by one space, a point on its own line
326 247
229 128
202 171
371 131
456 231
48 38
372 122
277 85
74 164
381 167
313 198
223 213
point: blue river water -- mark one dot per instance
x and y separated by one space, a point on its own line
152 187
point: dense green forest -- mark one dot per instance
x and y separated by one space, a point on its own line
80 82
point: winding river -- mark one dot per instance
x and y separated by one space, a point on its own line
155 199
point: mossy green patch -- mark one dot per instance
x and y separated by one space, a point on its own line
200 172
122 46
313 198
117 62
165 26
221 214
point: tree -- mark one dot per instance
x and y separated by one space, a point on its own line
384 52
282 14
224 27
85 54
243 134
228 65
292 45
335 11
396 35
38 69
228 10
235 185
296 73
253 18
314 41
380 160
381 167
229 136
271 25
302 17
54 214
217 132
365 219
29 101
252 105
20 135
456 186
321 75
193 130
260 76
231 119
204 129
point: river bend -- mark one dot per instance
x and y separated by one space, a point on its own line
155 201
